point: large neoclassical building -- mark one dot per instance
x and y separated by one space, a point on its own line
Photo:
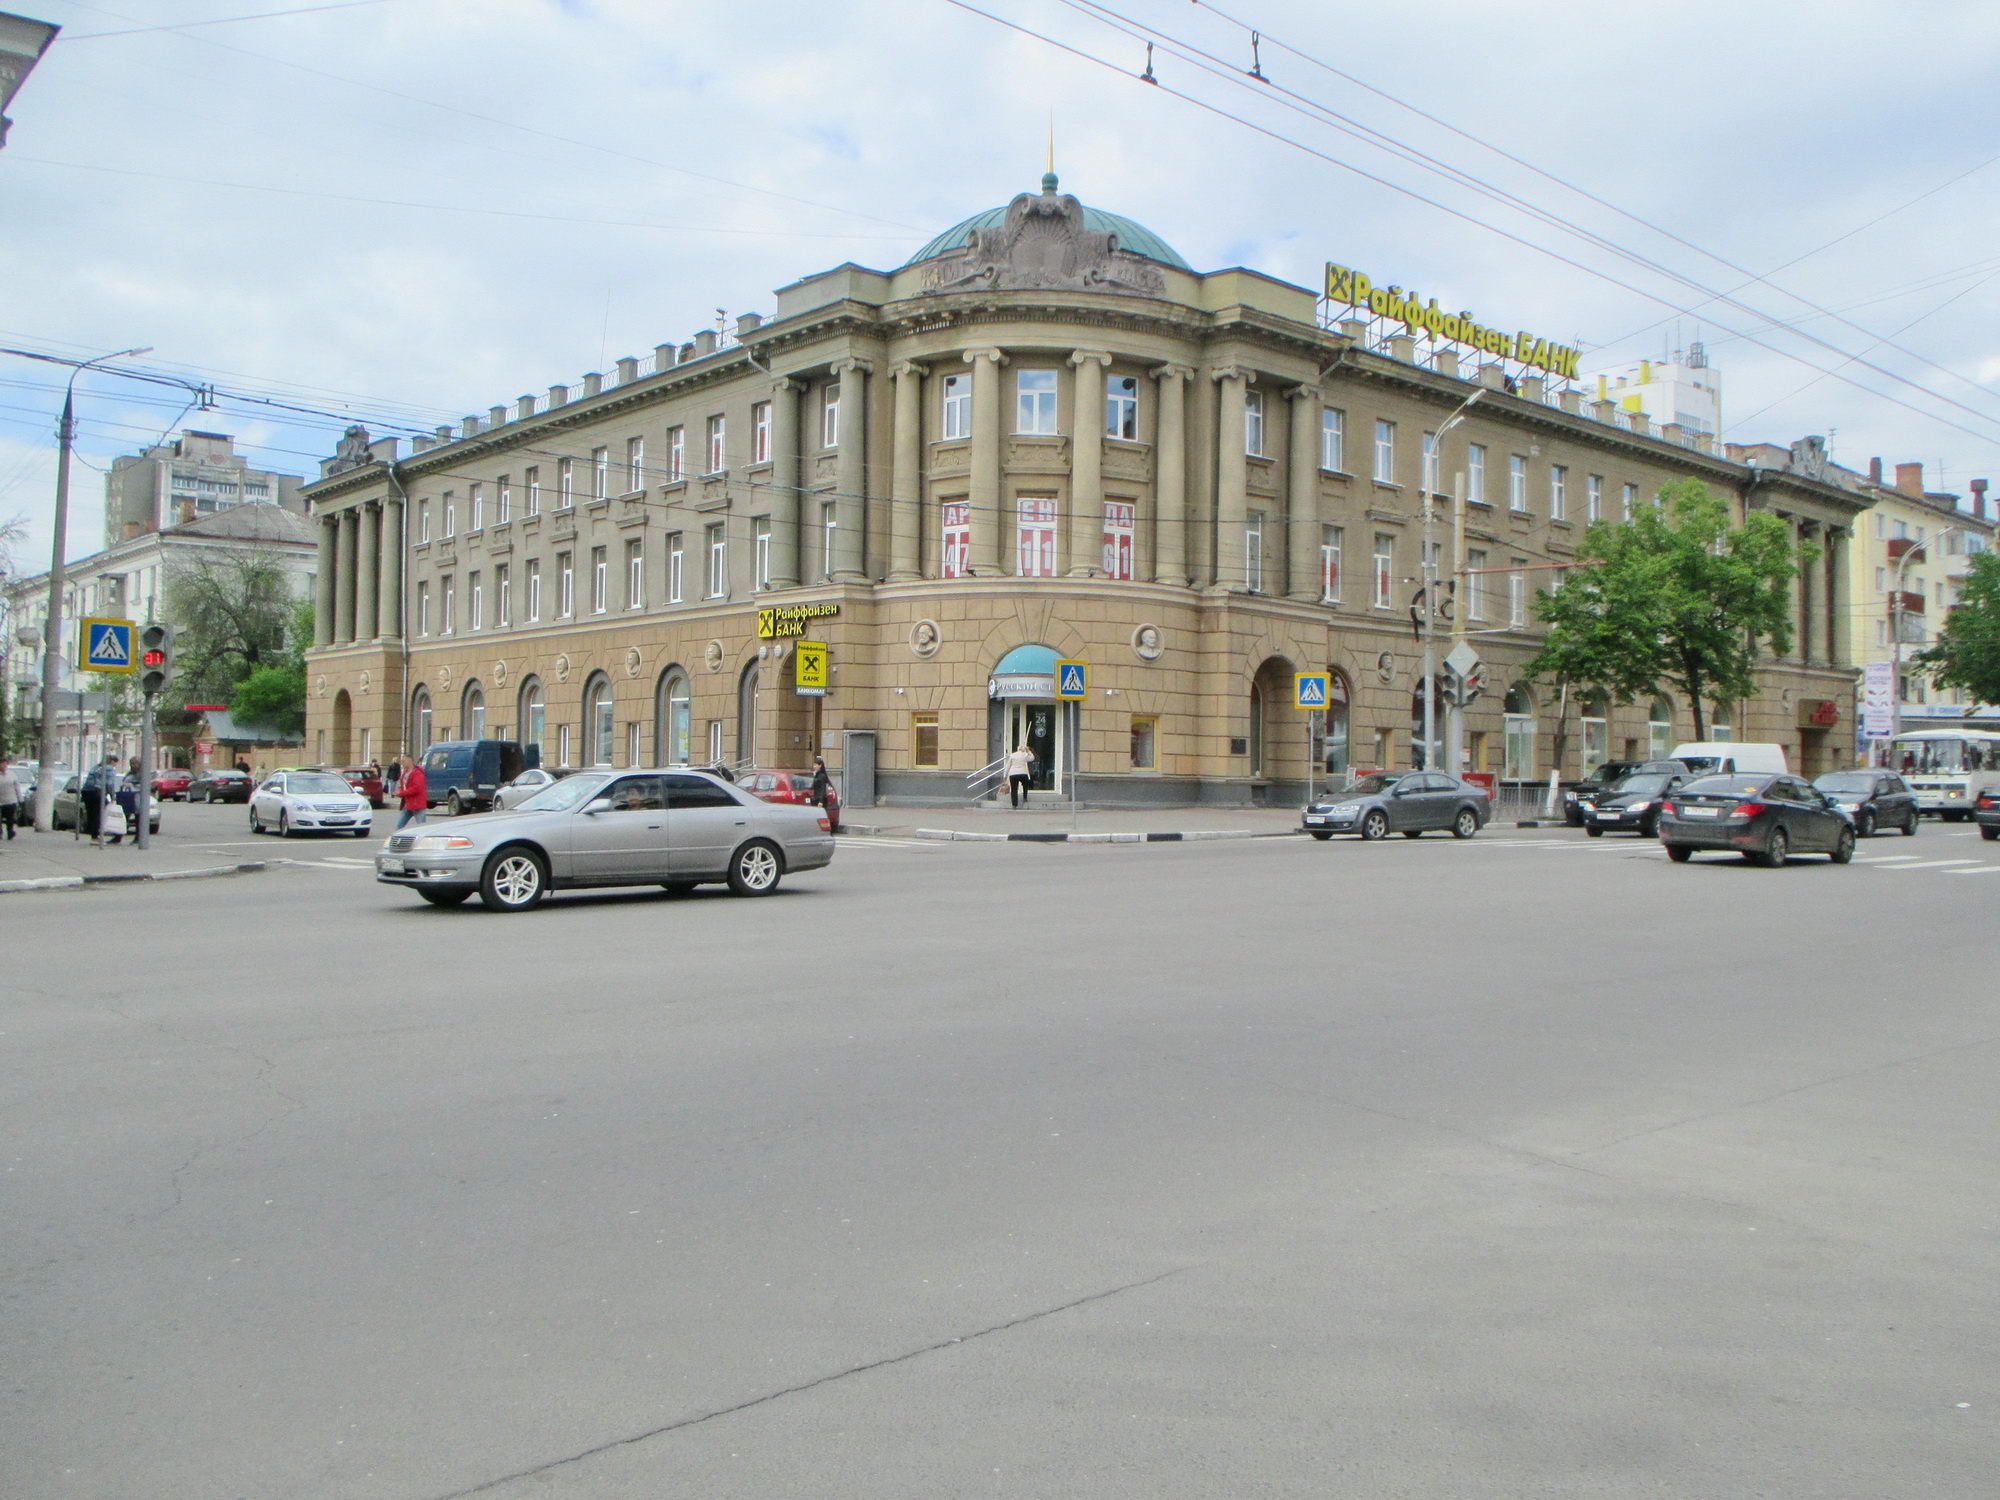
1044 438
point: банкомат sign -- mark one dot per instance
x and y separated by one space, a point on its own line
791 619
1356 289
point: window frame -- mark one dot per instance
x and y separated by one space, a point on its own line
716 538
718 443
1253 423
635 574
600 472
676 454
760 432
676 552
1333 440
955 410
1121 407
1558 492
1332 545
1517 483
635 463
534 580
829 416
565 585
1384 564
1035 536
1385 451
600 580
1475 473
1036 403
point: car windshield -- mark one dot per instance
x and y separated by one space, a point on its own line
1726 786
1649 783
1701 765
317 786
1368 786
1847 781
571 792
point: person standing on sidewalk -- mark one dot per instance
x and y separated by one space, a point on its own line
99 787
1020 768
10 797
412 793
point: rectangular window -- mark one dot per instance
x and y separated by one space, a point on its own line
829 417
503 596
957 407
1517 481
957 548
475 601
1333 440
1253 423
718 562
1475 473
829 533
1518 747
674 568
632 743
1330 539
1385 452
534 591
532 478
1629 501
1475 584
1145 731
599 581
423 609
1121 407
600 473
565 483
1517 595
635 464
635 575
1593 498
1253 553
676 454
1558 492
475 506
1120 521
1385 571
1881 580
450 513
924 741
1430 475
503 500
760 536
760 433
1035 550
718 459
447 606
1035 402
565 585
423 520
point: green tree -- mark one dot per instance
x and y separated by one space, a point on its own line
1967 652
276 694
232 615
1676 595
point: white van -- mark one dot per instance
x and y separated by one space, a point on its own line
1730 758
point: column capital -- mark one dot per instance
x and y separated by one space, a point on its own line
904 368
973 356
1086 356
1304 393
1172 372
853 364
1231 372
788 384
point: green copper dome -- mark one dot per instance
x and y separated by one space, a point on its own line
1135 239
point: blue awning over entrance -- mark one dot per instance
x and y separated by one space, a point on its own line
1026 659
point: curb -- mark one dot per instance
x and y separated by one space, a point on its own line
76 882
956 836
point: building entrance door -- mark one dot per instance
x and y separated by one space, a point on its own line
1034 724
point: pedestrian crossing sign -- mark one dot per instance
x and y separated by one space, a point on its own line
1309 689
1072 680
107 646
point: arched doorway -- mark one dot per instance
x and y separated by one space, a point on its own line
534 712
420 721
343 728
600 724
1277 732
746 715
1022 709
672 724
1335 753
472 711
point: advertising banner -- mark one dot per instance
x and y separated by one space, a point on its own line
1878 700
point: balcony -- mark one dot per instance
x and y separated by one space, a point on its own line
1911 602
1902 546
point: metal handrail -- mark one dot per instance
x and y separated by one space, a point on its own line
984 773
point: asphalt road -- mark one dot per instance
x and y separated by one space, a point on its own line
1534 1166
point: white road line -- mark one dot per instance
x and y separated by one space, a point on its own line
1932 864
1885 859
1982 870
873 843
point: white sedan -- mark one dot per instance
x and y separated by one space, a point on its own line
524 786
308 802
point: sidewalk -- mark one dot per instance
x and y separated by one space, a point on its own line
1046 821
41 858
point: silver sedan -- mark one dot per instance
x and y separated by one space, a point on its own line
673 828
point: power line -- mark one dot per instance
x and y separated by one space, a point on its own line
305 10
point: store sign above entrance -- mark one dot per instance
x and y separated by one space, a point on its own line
1021 685
791 619
1353 288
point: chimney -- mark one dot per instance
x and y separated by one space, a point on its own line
592 384
1910 479
444 434
558 396
524 406
496 416
1874 471
471 426
1978 487
663 358
704 343
747 324
628 371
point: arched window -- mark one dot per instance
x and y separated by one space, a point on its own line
599 721
1659 728
1335 744
420 721
746 715
472 711
672 727
534 713
1596 732
1722 722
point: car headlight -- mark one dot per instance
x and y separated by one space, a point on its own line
442 841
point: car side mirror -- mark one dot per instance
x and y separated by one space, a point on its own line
597 805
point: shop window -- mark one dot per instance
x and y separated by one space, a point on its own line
423 717
672 724
1035 402
924 741
1334 735
1596 745
1120 520
1659 729
1121 407
534 713
957 407
1144 730
599 722
1035 554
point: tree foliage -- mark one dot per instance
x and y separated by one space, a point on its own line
1675 596
1967 652
231 616
276 694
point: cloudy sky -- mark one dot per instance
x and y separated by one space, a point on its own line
402 211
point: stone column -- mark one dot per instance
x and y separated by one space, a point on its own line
343 598
983 490
389 599
1170 476
1840 622
1809 597
850 505
906 486
1086 465
1302 497
324 581
1232 476
785 483
367 559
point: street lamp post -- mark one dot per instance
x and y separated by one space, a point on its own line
1429 573
1896 627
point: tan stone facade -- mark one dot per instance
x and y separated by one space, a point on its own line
1012 428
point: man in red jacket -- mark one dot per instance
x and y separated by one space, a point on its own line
413 794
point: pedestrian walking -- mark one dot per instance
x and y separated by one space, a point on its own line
1020 769
821 793
391 774
99 786
10 797
412 793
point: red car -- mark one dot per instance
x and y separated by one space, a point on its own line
789 786
367 783
172 784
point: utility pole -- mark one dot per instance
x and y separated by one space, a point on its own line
1430 572
1896 625
1455 711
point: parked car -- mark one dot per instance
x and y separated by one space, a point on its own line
309 802
221 786
1731 757
1762 817
791 787
1405 802
171 784
527 784
463 775
1986 813
673 828
67 809
1873 799
366 783
1580 796
1633 806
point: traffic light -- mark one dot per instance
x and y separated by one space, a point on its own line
156 659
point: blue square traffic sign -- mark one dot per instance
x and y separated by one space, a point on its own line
107 646
1072 680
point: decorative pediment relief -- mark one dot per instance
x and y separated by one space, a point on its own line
1042 245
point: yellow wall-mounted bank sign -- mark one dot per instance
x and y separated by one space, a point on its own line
791 619
1356 289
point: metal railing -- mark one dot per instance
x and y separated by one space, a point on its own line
985 773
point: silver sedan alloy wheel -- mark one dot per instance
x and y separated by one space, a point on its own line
755 870
514 881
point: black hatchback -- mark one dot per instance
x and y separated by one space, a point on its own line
1762 817
1873 799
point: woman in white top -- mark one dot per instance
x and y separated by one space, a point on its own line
1020 766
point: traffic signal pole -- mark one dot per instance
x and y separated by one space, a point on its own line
1454 714
143 835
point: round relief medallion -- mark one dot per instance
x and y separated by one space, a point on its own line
562 667
633 661
367 681
499 674
1385 668
444 677
715 656
319 686
1149 643
924 637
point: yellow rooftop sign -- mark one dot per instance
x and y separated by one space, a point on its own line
1356 289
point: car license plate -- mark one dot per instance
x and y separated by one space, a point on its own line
1698 812
390 866
1311 819
1607 817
